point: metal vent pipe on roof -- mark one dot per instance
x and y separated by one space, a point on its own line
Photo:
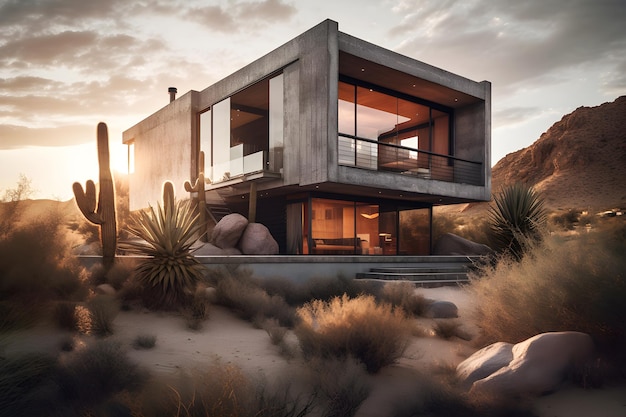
172 91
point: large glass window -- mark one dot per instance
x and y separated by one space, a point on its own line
243 133
342 227
378 130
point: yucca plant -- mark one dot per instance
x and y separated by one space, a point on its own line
169 273
516 219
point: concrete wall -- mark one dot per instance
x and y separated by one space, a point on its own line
163 151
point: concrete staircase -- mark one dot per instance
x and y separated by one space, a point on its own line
435 271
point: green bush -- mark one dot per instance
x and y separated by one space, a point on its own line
560 285
375 334
165 235
516 220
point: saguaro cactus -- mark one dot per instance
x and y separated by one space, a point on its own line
104 214
198 187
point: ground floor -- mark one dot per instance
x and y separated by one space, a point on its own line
330 224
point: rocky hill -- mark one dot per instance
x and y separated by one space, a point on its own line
579 163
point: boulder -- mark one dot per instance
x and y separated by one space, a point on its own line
539 365
442 310
451 244
484 362
257 240
228 231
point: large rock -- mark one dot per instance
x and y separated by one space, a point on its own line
442 310
484 362
539 365
257 240
451 244
228 231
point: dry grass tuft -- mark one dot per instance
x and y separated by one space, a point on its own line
375 334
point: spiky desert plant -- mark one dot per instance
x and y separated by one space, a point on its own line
198 187
169 273
516 219
104 214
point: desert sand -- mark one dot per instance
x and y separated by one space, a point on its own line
227 338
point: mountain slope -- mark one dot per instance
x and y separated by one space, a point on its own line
578 163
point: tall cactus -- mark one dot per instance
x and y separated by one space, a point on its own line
104 214
198 187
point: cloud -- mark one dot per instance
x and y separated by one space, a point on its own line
239 17
38 14
511 116
513 42
15 137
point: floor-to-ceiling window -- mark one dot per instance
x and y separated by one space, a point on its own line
382 130
327 226
244 132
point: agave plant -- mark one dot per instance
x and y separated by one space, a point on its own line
516 219
169 273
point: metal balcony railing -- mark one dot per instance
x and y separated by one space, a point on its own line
374 155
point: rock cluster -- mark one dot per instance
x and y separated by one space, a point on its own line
234 235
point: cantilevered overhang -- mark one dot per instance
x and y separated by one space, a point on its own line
411 85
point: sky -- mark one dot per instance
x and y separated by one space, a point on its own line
66 65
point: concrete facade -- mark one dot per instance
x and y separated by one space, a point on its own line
167 143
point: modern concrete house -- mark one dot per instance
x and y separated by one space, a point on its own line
346 146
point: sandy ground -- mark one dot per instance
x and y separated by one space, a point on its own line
231 340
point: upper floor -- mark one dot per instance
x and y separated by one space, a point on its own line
325 112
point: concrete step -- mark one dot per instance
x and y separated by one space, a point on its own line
426 267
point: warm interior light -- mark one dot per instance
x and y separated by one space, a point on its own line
369 216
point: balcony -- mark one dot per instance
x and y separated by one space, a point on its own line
379 156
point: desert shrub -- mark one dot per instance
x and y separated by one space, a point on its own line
436 397
402 294
238 291
447 329
64 315
26 384
275 331
37 269
516 220
566 220
342 385
474 228
375 334
315 288
93 375
198 309
218 390
144 341
89 231
102 310
575 284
